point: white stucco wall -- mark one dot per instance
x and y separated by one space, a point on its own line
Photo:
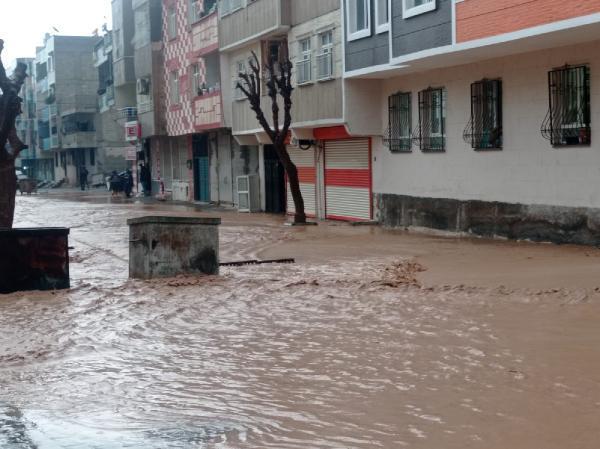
528 170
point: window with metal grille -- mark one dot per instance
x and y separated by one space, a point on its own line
398 135
484 130
568 119
431 132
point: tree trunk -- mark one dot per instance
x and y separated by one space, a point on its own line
292 173
8 188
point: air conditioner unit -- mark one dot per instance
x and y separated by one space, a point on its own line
143 86
248 193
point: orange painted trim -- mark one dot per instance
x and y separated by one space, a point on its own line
307 175
331 132
343 177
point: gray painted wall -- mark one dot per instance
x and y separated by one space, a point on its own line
305 10
429 30
369 51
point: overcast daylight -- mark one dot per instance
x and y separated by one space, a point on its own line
300 224
63 17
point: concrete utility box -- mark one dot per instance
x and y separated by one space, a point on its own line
170 246
34 259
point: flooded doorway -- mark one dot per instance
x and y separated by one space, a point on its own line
201 168
274 182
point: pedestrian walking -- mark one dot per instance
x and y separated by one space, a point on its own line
146 179
83 177
115 184
128 183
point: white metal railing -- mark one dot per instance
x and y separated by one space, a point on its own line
304 71
325 65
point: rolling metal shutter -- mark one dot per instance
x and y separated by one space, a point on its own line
305 161
348 179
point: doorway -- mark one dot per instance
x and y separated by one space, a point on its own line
201 168
274 182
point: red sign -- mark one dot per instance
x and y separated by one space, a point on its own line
133 131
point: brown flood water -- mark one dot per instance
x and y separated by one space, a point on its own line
374 339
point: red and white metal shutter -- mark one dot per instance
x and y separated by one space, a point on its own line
305 162
348 179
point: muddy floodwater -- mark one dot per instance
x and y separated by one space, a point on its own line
373 339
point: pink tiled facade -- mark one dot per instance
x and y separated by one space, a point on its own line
192 113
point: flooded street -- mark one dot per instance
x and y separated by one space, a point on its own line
374 339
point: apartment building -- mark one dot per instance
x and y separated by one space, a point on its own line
310 34
480 113
137 55
111 139
195 159
35 164
66 103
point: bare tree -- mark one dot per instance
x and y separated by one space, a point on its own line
10 144
278 82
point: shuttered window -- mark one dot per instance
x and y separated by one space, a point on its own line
568 119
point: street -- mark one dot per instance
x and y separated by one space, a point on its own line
373 339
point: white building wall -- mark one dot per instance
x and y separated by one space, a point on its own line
528 170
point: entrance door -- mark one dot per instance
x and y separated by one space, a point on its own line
201 168
274 182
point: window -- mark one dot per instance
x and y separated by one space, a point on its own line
398 136
174 88
304 65
195 79
51 62
568 119
412 8
382 19
325 56
229 6
172 22
359 19
193 11
92 156
484 130
241 68
431 133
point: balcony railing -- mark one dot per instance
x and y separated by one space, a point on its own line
128 114
325 65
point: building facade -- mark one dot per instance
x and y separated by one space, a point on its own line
32 161
333 165
199 161
67 109
481 113
112 146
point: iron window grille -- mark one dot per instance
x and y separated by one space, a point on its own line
484 130
431 132
398 135
568 119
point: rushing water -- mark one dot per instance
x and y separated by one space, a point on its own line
338 354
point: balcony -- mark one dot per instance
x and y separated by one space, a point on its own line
128 114
45 144
80 139
238 24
